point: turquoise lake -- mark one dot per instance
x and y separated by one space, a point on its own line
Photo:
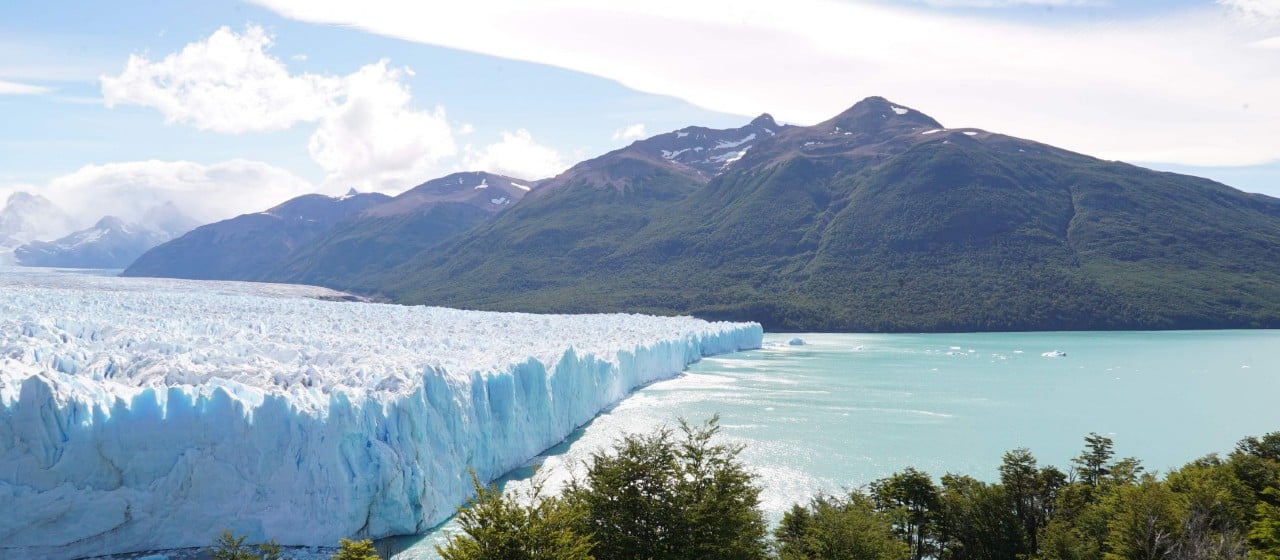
845 409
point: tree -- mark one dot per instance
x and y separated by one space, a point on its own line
1052 482
1264 535
355 550
227 546
1218 509
1032 492
1093 463
1265 447
977 521
662 496
1125 472
789 536
496 526
911 500
838 529
1077 528
270 551
1146 521
1256 463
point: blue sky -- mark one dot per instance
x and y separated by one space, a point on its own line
228 107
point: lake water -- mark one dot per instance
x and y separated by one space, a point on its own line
845 409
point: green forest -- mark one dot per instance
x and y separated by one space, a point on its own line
677 494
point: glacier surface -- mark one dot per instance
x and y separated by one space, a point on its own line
141 414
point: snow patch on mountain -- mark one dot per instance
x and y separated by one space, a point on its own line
669 154
730 157
723 145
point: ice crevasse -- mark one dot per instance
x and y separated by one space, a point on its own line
151 414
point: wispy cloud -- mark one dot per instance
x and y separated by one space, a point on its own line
1187 88
15 88
1012 3
1265 12
1269 43
78 99
32 57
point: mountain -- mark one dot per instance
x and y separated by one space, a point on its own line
27 217
168 218
695 152
247 247
879 219
709 151
384 236
110 243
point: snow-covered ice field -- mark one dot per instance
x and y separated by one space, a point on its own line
140 414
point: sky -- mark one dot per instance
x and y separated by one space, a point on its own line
227 107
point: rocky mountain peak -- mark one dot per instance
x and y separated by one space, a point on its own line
765 120
110 223
876 114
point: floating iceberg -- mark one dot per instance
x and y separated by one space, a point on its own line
140 414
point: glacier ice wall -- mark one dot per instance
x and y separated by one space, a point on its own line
139 414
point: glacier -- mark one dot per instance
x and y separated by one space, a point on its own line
143 414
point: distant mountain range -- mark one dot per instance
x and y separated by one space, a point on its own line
27 217
32 232
110 243
334 241
880 219
251 246
388 234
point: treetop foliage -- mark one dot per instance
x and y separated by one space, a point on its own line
677 494
680 494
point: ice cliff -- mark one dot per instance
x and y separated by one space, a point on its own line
141 414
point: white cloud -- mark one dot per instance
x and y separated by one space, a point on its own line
15 88
1256 11
632 132
1170 88
1013 3
368 133
205 192
1269 43
516 155
375 140
227 83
